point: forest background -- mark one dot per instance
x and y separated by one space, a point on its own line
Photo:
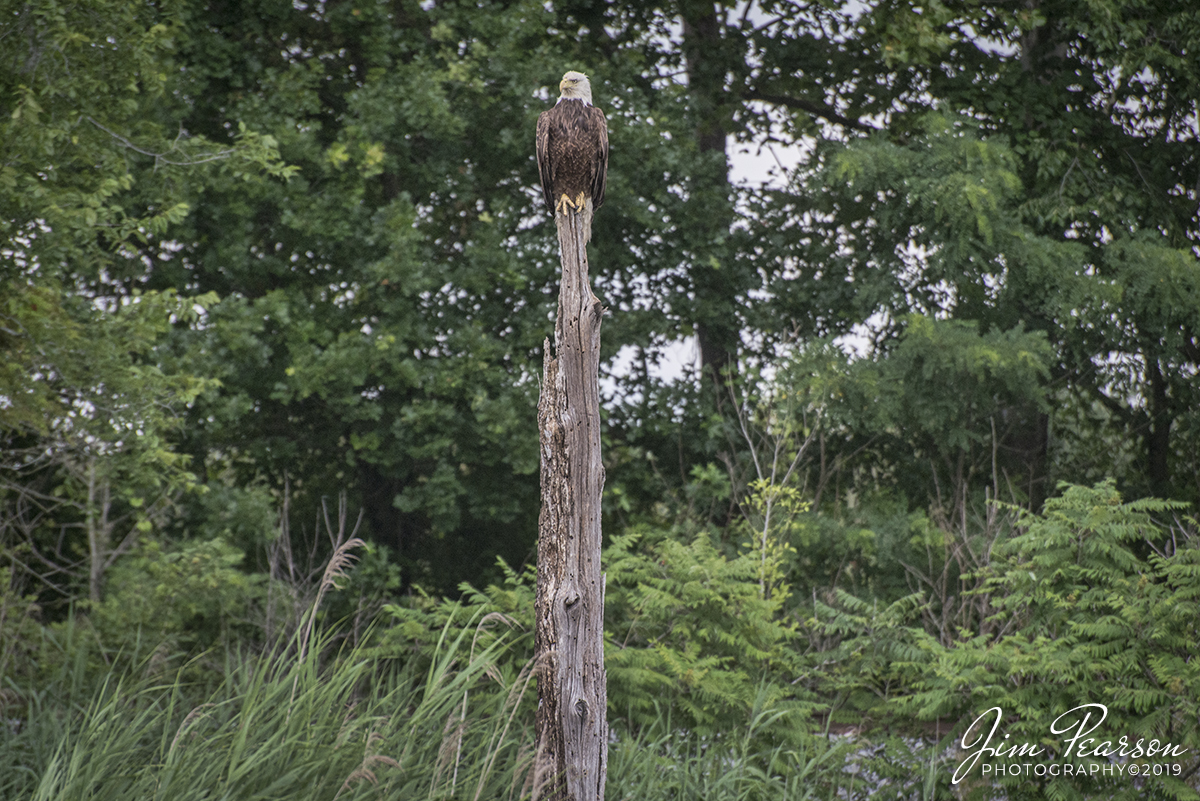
274 282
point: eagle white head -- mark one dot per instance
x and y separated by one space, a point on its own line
575 86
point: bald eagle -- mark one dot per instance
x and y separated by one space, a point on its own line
572 148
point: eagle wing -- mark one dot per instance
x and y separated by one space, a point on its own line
599 126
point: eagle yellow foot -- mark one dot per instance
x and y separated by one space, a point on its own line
566 203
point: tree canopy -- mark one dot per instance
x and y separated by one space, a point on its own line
255 256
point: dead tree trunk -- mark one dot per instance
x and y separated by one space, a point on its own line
571 723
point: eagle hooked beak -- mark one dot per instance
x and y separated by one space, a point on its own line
562 85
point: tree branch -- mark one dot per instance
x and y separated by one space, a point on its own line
161 158
816 109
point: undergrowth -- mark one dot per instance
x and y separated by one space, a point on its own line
333 723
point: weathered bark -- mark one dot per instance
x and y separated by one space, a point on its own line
571 723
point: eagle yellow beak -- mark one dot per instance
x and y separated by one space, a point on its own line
562 85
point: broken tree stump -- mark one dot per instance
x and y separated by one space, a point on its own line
571 756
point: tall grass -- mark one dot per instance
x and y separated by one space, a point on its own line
345 725
663 763
318 723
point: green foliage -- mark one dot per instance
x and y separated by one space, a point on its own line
930 414
773 522
94 179
661 762
1099 605
78 373
94 159
1099 601
899 453
689 635
421 627
867 656
19 635
690 630
953 378
1054 149
255 253
187 598
244 516
380 310
89 464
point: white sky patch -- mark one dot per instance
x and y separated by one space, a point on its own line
674 360
768 164
858 344
987 45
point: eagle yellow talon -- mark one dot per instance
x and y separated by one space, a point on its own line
568 204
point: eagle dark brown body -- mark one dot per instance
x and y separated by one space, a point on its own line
572 150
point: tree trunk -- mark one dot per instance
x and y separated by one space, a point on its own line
571 725
717 330
1158 432
1040 55
95 547
99 530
